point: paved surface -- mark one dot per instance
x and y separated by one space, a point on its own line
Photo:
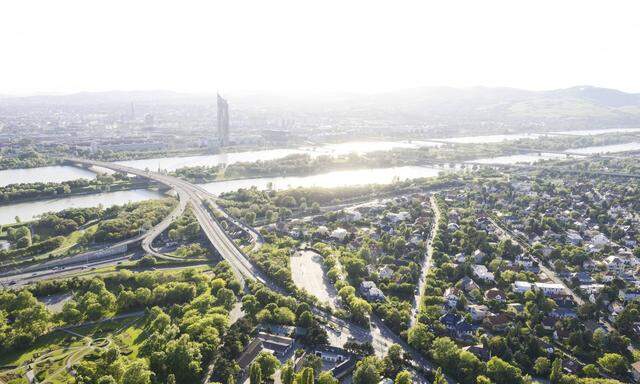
427 262
308 273
195 196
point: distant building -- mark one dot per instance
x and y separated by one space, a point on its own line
223 122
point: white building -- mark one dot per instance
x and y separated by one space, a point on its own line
522 286
482 273
550 288
339 234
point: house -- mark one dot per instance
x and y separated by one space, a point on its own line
561 334
574 238
277 345
495 294
332 354
497 323
352 215
452 296
339 234
479 256
635 371
571 367
521 286
463 331
386 272
615 264
582 277
467 284
478 312
457 326
629 294
370 291
525 262
550 289
549 323
481 272
452 227
562 313
322 231
599 241
450 319
591 289
460 257
480 351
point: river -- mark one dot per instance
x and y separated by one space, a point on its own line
55 174
515 159
64 173
328 180
29 210
602 149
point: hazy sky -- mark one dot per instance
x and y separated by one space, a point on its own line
364 46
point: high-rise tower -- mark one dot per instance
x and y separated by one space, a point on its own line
223 121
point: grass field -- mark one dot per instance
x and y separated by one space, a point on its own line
51 355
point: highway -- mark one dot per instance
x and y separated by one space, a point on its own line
196 197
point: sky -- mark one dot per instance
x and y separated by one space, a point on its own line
66 46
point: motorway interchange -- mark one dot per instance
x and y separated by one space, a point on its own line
379 335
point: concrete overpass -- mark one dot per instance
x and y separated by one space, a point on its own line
195 197
198 198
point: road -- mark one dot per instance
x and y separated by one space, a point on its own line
427 262
196 197
549 272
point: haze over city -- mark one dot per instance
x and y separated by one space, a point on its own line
297 192
359 46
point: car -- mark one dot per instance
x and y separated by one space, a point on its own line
12 282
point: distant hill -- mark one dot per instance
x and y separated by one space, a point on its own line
579 107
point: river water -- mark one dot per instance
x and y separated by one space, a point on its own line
602 149
29 210
54 174
327 180
515 159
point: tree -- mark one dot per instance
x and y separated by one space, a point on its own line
305 376
250 305
419 337
439 377
501 372
147 261
287 373
183 359
268 364
327 378
613 363
590 370
542 366
366 371
556 371
469 367
255 374
403 377
392 362
445 353
137 373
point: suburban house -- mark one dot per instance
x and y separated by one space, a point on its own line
482 273
495 294
370 291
